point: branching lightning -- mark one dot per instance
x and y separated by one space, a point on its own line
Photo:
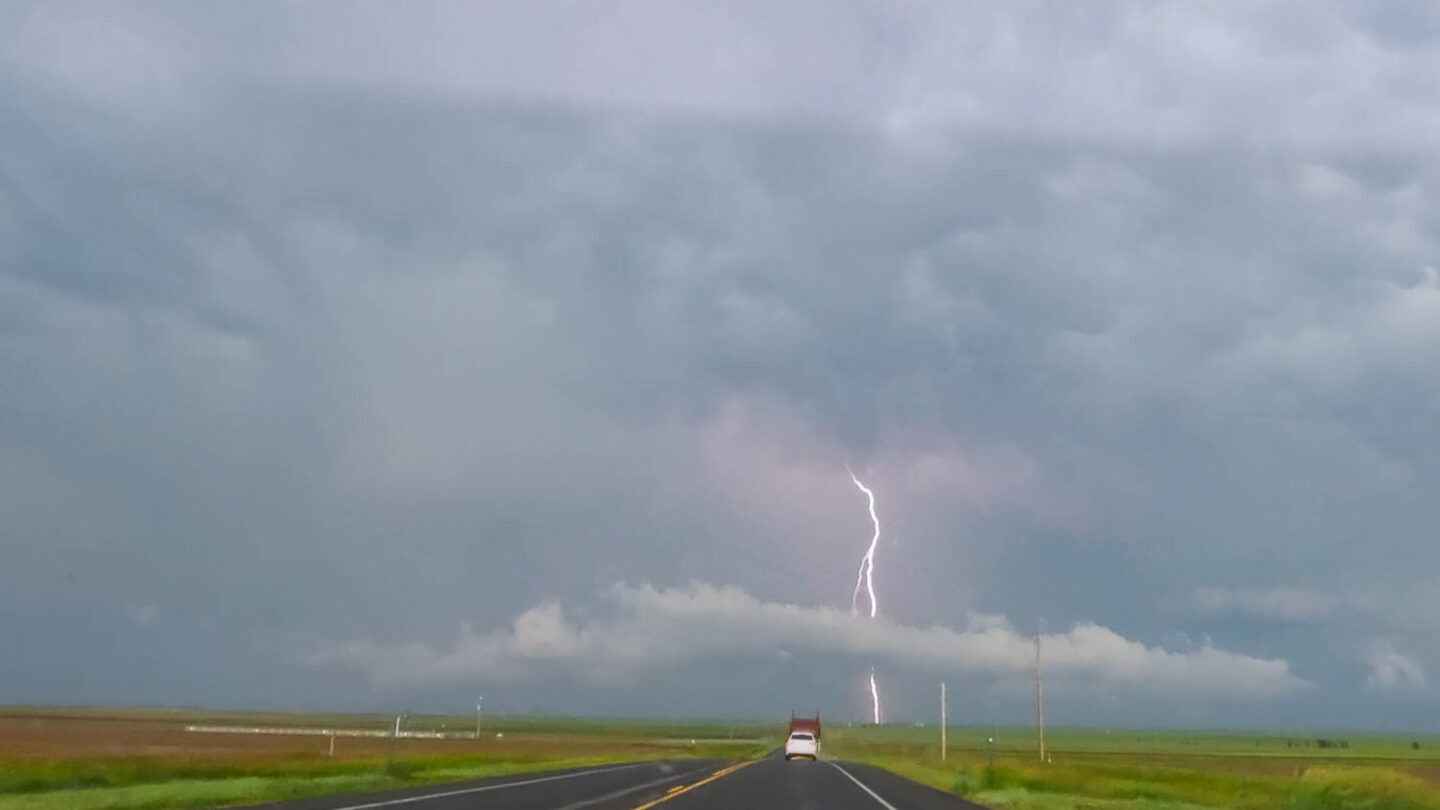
865 580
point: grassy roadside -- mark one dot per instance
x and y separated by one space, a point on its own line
145 759
1106 783
159 784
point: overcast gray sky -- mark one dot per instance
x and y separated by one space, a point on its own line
375 355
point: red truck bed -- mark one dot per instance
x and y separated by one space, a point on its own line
809 724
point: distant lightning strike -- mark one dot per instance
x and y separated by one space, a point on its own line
874 697
865 580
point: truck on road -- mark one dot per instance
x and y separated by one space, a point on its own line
803 739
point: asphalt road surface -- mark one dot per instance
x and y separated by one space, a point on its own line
686 784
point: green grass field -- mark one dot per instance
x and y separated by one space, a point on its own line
1158 770
1300 745
242 784
81 759
144 760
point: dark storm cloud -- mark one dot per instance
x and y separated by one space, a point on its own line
327 330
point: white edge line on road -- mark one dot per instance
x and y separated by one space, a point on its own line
428 796
864 787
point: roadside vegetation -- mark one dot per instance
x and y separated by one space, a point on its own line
158 785
1159 771
144 760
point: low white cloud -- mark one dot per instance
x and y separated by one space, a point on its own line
1393 670
655 629
1277 603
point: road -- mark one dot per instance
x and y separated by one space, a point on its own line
687 784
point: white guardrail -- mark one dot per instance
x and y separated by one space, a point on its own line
331 732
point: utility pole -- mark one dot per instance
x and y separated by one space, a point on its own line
1039 698
478 702
942 720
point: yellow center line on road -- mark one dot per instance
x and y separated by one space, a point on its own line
676 791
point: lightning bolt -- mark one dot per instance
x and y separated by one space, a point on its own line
866 577
865 580
874 697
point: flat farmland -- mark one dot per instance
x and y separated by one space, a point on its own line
79 737
75 758
1143 769
146 759
106 733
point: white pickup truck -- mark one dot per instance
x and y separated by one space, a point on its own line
802 744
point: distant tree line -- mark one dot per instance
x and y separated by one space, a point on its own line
1323 742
